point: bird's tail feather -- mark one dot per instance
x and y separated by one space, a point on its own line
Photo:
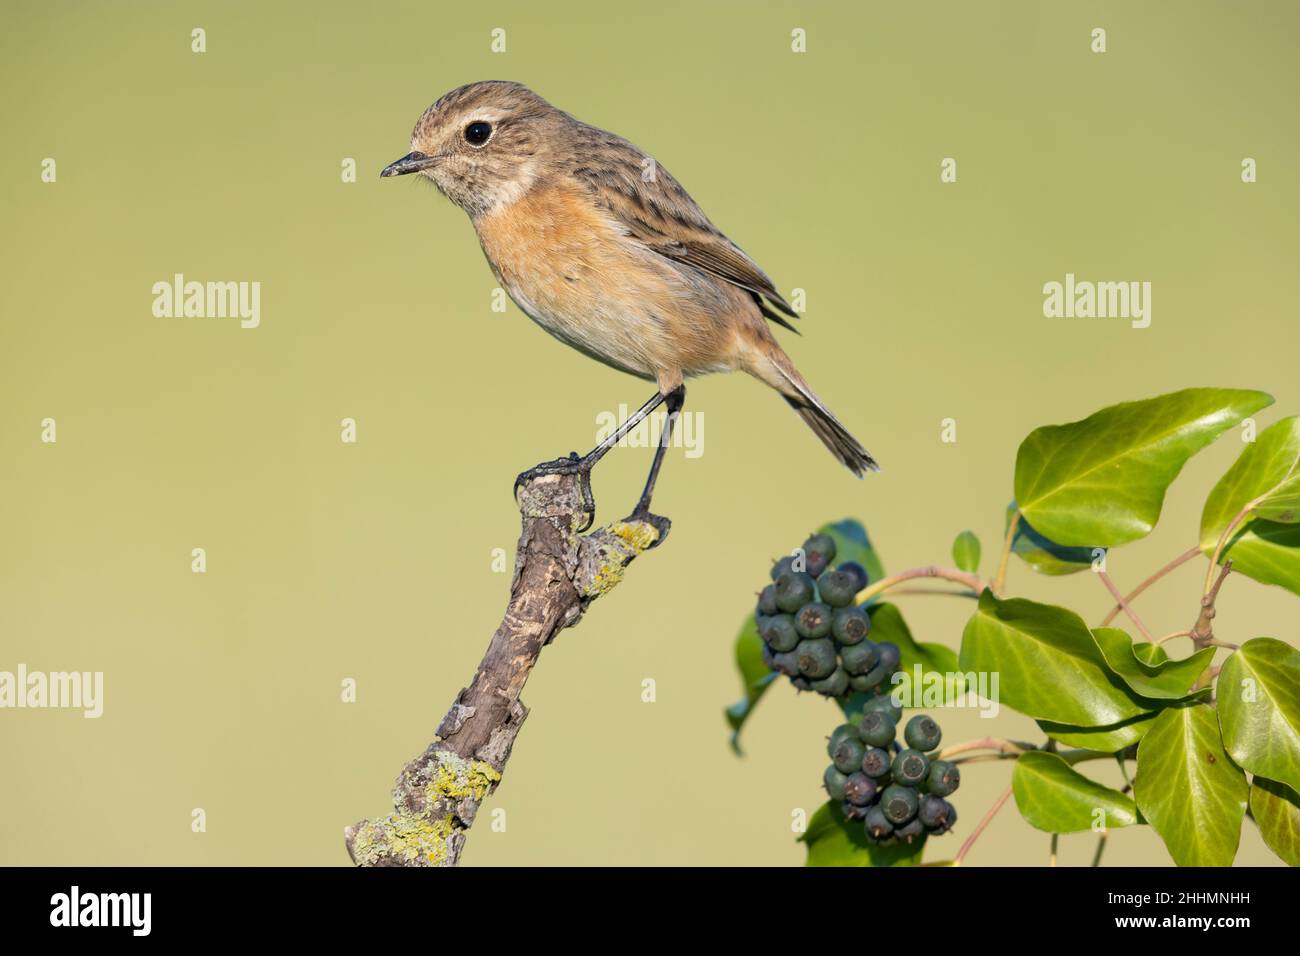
825 425
835 437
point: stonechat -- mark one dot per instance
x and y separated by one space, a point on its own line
604 249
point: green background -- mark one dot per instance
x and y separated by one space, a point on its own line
374 561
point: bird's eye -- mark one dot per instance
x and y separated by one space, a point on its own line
476 134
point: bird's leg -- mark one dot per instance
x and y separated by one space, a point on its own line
675 399
573 465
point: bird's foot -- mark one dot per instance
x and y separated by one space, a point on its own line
661 524
571 465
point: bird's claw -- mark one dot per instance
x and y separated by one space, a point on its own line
658 522
571 465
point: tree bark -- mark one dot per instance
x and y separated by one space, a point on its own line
558 572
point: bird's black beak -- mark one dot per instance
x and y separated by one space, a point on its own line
410 163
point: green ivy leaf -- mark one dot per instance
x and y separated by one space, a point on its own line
1276 808
755 678
1102 481
1282 503
1266 550
1108 739
1042 554
834 841
1053 796
1188 789
1049 667
1259 709
887 624
966 552
1146 668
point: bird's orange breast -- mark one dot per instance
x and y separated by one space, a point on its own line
576 272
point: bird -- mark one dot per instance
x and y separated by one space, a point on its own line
597 243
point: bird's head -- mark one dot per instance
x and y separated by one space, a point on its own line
483 144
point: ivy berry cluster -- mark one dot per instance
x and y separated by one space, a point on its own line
898 792
813 633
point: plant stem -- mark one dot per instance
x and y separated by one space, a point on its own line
1176 563
1223 542
1004 749
1203 629
1123 769
1174 636
1051 861
981 827
971 581
1001 579
1003 746
941 592
1101 845
1137 621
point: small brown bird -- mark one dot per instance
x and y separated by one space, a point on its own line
605 250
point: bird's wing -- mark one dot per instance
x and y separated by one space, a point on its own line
655 210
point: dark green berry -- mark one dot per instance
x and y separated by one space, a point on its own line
860 658
847 755
885 704
910 830
859 573
837 588
853 812
816 658
877 729
898 803
857 683
834 782
935 813
911 767
877 824
767 600
819 552
876 763
782 566
949 823
786 663
859 789
841 733
886 665
837 685
813 620
800 682
922 733
850 625
779 632
793 590
943 779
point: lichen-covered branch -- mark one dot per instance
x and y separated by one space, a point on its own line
558 572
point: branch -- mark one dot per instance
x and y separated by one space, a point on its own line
1001 578
971 581
558 573
1176 563
1202 633
980 827
1114 592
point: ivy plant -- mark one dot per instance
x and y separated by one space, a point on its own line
1206 732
